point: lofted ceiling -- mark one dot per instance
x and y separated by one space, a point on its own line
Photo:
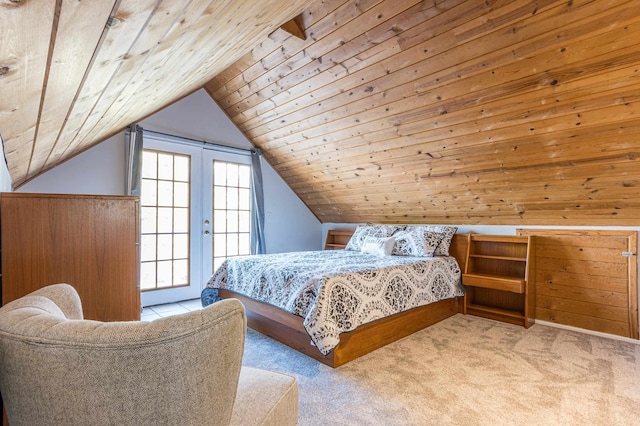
450 111
73 73
520 112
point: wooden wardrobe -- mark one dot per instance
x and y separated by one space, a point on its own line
88 241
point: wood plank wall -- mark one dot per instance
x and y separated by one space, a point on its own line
583 280
450 111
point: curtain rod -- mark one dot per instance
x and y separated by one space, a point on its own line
205 144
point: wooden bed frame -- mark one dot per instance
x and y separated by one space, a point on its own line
288 329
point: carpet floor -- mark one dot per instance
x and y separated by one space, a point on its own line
468 370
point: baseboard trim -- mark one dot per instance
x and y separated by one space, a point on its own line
585 331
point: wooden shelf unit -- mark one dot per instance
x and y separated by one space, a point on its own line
498 279
337 239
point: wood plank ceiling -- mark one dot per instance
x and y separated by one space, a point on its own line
443 111
450 111
73 73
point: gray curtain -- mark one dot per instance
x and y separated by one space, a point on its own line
257 212
133 156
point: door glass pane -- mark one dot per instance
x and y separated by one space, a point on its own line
150 164
220 221
181 220
244 176
181 194
244 199
148 247
232 198
165 166
165 193
244 222
148 220
220 174
244 245
232 175
220 245
232 245
220 197
149 192
180 246
147 276
165 219
232 221
180 272
165 246
165 275
182 169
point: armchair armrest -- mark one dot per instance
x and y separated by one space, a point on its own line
65 297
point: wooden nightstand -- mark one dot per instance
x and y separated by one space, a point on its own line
498 278
337 239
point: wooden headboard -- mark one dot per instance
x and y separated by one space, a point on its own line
458 249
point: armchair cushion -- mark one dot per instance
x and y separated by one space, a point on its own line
265 398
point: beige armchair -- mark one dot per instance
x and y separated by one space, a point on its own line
59 369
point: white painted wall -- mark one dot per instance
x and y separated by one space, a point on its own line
99 170
289 225
197 117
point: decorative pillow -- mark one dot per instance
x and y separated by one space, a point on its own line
448 232
416 241
380 246
364 231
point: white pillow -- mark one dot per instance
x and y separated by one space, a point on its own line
363 231
379 246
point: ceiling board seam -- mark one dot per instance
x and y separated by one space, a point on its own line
43 92
79 90
74 142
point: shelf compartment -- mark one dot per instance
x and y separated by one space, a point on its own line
495 257
504 312
499 246
511 317
337 239
496 282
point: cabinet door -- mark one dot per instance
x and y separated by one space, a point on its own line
90 242
587 279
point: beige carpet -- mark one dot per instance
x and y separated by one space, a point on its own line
468 371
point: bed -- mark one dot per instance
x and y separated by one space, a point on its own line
337 305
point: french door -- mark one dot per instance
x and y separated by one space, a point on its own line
195 212
226 208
